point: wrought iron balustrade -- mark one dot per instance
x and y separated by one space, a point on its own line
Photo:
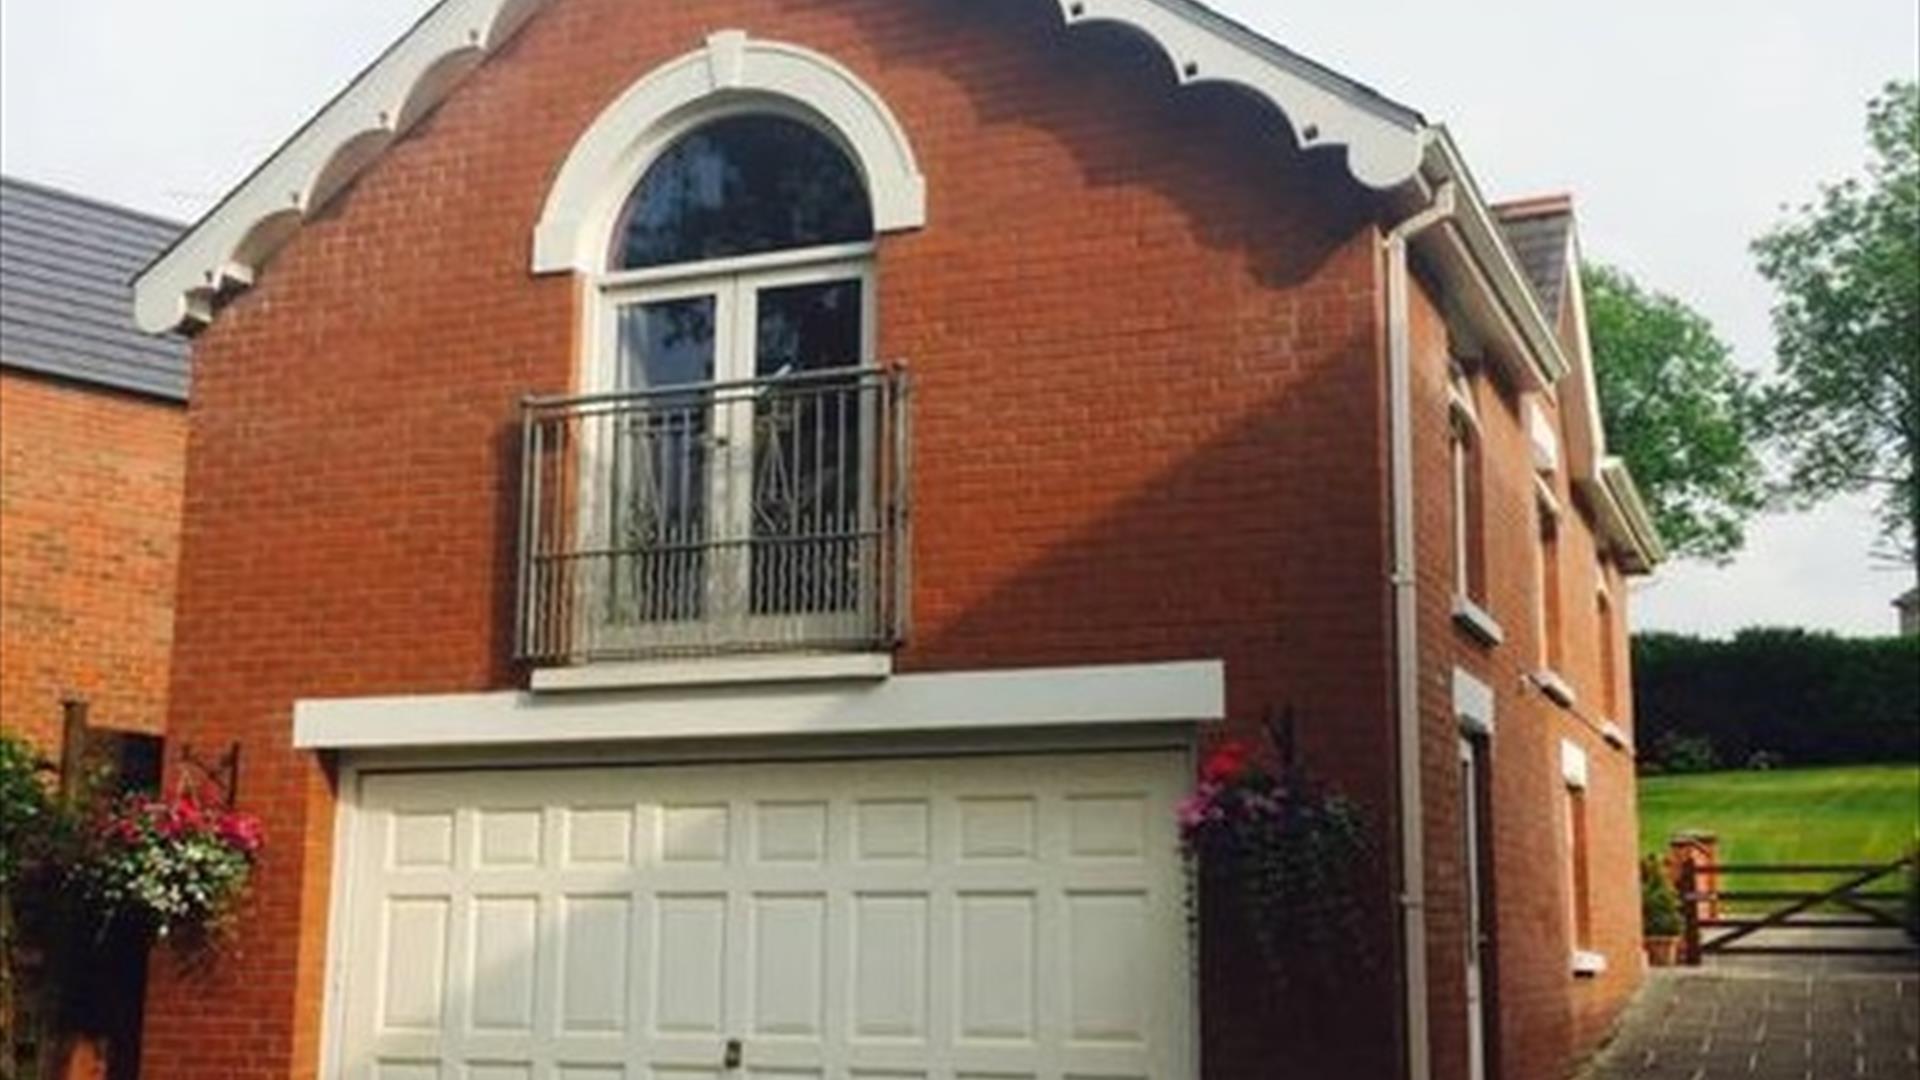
715 517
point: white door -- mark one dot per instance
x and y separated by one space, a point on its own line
1476 937
933 919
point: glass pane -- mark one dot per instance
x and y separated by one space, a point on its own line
741 185
658 465
809 543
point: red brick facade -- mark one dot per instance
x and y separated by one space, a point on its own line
1147 342
89 538
1545 1017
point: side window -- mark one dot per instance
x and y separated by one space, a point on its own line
1549 615
1609 655
1469 504
1578 869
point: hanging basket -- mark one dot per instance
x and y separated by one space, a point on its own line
1281 857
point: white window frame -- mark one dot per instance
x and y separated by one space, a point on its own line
1464 439
1584 962
735 284
1548 577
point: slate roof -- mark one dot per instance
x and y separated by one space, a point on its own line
1539 230
66 291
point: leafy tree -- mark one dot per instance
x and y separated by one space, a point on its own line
1681 412
1846 407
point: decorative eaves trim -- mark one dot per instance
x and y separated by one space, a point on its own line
225 250
1382 140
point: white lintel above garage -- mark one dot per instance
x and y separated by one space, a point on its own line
967 701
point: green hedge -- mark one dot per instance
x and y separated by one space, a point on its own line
1767 696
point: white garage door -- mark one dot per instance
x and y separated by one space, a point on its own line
984 918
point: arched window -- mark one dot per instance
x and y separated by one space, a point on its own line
742 185
737 446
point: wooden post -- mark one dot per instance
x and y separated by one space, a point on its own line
73 750
1690 905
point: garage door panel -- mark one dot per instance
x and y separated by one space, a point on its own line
891 934
933 919
503 963
596 962
416 931
689 963
787 969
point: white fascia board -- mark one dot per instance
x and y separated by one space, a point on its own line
1587 434
1185 691
1493 259
1612 525
1619 482
225 249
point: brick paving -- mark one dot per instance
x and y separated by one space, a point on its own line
1768 1022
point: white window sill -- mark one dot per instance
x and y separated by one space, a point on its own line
1475 620
1612 732
1588 964
1555 687
714 671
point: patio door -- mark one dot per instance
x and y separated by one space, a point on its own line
735 484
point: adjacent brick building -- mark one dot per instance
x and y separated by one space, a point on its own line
93 434
92 451
973 409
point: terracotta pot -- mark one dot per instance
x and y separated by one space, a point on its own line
1663 951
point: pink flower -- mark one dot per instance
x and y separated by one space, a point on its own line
187 814
240 831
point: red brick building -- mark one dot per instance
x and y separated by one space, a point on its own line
92 449
719 529
93 433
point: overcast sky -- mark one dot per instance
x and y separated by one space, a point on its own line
1681 127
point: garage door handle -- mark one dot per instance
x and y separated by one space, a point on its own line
732 1058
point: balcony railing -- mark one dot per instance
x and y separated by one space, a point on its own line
715 518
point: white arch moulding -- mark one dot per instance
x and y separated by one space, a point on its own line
731 72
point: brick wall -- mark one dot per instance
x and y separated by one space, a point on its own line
89 537
1544 1017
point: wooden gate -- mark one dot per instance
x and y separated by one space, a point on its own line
1850 905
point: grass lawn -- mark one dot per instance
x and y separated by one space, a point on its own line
1842 814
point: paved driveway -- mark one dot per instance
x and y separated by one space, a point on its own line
1768 1022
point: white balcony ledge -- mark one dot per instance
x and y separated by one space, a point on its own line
714 671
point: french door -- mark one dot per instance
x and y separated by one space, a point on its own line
734 493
